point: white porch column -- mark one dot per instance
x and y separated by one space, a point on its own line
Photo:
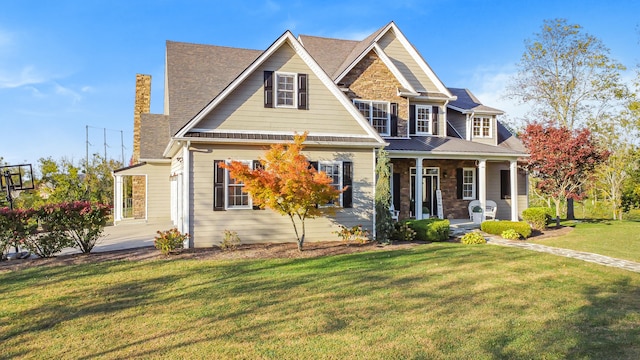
186 201
418 187
117 199
513 172
482 184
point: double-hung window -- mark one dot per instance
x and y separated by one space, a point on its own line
482 127
377 112
285 90
423 120
334 172
237 198
468 183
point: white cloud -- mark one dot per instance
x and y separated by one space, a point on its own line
28 75
353 34
67 92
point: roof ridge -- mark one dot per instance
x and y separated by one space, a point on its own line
327 38
210 45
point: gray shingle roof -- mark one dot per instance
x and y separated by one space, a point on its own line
467 101
278 137
154 135
328 53
447 145
508 140
198 73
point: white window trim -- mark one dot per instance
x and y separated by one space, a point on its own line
370 117
473 127
226 189
430 121
295 90
340 175
473 184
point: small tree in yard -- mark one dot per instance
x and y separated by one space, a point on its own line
384 223
288 184
561 159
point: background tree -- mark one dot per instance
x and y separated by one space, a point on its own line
613 174
287 183
567 77
561 159
384 223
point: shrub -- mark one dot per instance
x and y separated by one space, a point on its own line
538 217
497 227
82 221
510 234
473 238
170 240
430 229
355 233
16 227
632 215
402 232
230 240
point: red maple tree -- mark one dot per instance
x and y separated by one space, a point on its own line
287 183
562 160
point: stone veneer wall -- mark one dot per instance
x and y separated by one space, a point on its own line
142 105
370 79
453 207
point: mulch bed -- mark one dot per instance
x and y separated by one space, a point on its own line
246 251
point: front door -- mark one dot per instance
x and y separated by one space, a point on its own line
430 183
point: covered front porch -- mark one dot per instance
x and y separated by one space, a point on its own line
447 186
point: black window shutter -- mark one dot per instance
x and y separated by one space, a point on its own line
303 92
347 182
396 191
268 89
459 183
412 119
434 118
218 185
257 165
394 119
505 184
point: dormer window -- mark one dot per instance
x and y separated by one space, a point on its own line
423 120
377 112
482 127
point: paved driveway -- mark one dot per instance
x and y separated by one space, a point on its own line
126 236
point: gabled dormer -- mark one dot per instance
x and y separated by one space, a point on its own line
471 120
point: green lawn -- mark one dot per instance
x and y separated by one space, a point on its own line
619 239
435 301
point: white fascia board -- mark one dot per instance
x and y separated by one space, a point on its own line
263 142
399 154
394 70
419 60
313 65
270 132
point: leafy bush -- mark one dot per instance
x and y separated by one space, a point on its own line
430 229
82 221
230 240
402 232
632 215
170 240
473 238
497 227
538 217
510 234
16 227
355 233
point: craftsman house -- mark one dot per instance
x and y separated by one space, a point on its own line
353 97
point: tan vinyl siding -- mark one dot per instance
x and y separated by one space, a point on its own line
493 190
265 225
244 108
406 64
158 189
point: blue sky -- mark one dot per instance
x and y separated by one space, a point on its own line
68 64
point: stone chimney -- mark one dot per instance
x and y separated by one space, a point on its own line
142 105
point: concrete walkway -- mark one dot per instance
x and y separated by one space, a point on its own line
585 256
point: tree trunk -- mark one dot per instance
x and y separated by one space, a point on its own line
570 214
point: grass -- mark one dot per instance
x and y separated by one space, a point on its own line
618 239
434 301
